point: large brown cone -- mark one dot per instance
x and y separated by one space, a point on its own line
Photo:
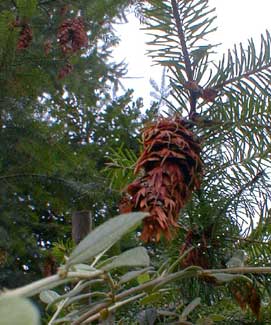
171 168
72 35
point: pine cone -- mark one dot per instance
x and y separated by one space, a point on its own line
47 45
25 37
247 295
171 171
64 71
72 35
199 254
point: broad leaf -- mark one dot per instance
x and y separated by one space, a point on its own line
133 275
84 268
18 311
142 278
104 236
190 307
151 298
133 257
221 278
48 296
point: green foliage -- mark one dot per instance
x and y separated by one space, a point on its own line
120 168
26 8
55 132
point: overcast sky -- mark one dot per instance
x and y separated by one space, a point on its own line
237 20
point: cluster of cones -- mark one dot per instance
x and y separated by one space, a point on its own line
170 169
72 37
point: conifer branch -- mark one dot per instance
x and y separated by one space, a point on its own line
187 62
242 76
40 176
188 66
251 241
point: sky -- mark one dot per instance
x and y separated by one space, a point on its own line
237 20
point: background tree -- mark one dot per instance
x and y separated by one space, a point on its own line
59 121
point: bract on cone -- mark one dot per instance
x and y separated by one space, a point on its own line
171 169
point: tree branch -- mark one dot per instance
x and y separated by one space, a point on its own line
244 75
50 282
187 62
94 313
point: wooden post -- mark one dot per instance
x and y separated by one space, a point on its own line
81 225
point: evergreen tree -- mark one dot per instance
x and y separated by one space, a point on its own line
59 121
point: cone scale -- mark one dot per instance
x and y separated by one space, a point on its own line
170 169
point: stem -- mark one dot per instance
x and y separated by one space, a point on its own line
148 285
163 280
62 304
252 241
50 282
244 75
187 62
116 306
244 270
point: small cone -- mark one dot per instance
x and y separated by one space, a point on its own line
25 37
171 168
65 70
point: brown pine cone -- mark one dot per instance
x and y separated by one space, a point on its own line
72 35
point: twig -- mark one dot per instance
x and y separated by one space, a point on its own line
187 62
252 241
50 282
164 280
115 306
145 286
63 304
236 270
244 75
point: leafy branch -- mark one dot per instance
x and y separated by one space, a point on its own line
94 245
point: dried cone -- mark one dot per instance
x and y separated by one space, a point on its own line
171 168
198 243
25 37
72 35
65 70
47 45
3 257
247 295
209 94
